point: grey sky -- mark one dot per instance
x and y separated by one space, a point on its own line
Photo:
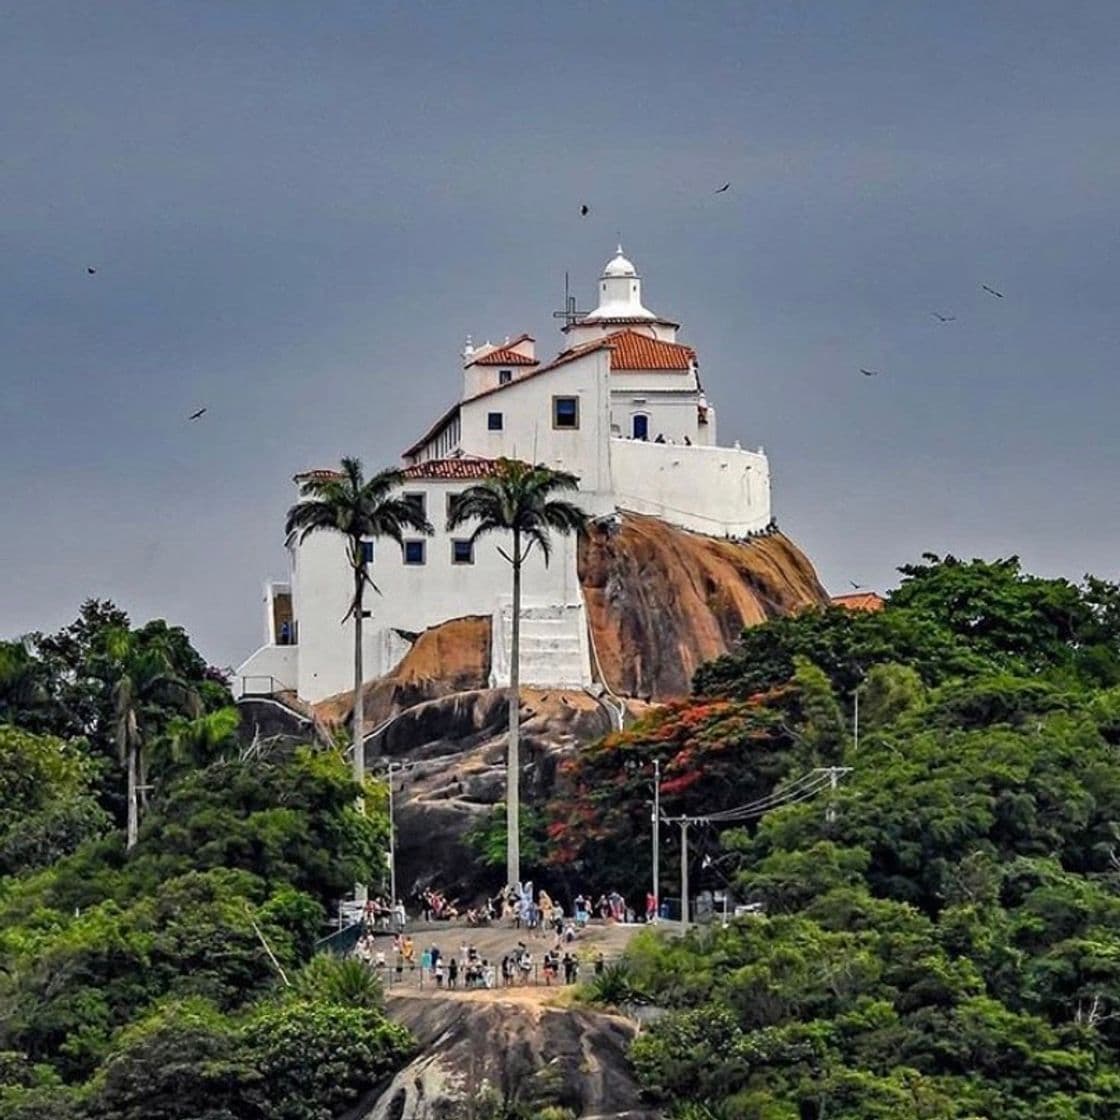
298 211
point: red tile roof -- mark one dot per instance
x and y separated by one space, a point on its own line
451 468
503 356
506 355
860 601
629 351
633 351
317 474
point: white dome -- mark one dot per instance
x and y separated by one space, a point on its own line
618 265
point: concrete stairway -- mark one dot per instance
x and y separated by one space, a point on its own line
554 650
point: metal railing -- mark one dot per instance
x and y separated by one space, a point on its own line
273 686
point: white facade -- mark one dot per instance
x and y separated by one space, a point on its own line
622 408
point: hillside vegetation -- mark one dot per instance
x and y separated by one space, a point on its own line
135 984
941 939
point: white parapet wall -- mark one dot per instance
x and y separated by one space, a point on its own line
271 669
720 491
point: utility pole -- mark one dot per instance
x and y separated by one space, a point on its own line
834 774
684 873
656 839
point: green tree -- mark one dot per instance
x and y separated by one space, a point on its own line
142 676
46 805
359 509
518 499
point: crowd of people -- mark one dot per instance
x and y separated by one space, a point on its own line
534 914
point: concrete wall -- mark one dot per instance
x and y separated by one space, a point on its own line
720 491
271 668
413 597
527 432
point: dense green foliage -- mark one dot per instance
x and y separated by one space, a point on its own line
946 942
135 982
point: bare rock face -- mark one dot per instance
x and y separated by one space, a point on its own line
661 600
457 746
514 1052
451 657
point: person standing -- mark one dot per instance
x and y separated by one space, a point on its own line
452 973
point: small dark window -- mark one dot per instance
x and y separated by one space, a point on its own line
494 421
641 426
367 552
462 552
414 552
505 376
565 412
419 501
451 500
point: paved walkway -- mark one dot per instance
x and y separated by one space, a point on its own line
494 942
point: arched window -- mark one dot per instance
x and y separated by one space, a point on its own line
640 426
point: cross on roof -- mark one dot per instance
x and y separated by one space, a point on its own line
570 315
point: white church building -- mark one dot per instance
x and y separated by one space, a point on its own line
622 407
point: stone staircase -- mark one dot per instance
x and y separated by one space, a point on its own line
554 649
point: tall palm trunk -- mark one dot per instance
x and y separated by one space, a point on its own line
358 761
513 764
133 805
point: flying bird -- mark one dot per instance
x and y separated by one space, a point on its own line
720 190
196 415
584 209
943 318
992 291
91 271
855 586
869 372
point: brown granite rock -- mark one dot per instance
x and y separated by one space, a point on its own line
524 1054
451 657
661 600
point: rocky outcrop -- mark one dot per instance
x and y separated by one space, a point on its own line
661 600
515 1052
457 748
451 657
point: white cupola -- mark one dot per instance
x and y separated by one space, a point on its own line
620 292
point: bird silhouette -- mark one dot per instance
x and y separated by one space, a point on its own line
196 415
584 209
869 372
992 291
943 318
720 190
855 586
91 271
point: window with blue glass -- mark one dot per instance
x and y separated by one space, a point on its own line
462 552
367 552
494 421
565 412
414 552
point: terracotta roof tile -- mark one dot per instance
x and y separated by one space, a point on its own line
633 351
506 354
317 474
451 468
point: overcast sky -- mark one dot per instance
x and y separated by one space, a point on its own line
298 211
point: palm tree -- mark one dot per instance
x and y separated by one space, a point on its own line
517 500
141 679
359 509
